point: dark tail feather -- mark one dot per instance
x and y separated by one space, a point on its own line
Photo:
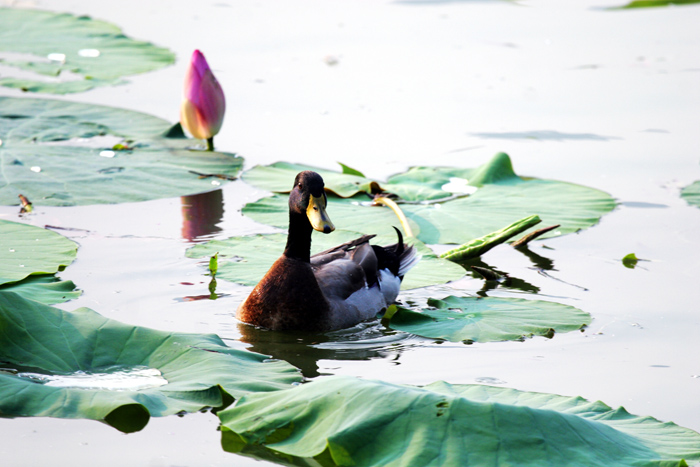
397 258
400 245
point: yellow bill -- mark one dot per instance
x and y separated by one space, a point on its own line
316 212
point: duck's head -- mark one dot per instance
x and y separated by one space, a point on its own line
308 197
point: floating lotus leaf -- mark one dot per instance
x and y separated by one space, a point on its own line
26 250
61 153
691 194
477 319
29 257
43 288
654 3
196 371
68 53
245 260
501 198
279 177
347 421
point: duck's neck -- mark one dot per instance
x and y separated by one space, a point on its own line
298 238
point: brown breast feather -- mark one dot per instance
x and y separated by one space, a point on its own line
288 297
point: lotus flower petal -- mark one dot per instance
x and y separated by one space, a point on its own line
203 104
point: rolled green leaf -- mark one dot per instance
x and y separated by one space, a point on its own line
214 264
479 246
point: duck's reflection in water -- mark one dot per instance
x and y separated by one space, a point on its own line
365 341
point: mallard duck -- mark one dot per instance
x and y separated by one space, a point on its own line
334 289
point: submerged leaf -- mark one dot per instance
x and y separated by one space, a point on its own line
343 421
477 319
245 260
45 345
71 144
93 53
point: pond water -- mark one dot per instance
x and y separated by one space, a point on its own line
572 91
110 379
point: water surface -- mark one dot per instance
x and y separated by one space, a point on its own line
607 99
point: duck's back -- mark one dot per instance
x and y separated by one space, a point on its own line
359 280
345 286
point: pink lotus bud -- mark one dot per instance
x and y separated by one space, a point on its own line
203 103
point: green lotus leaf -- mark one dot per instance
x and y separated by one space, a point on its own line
343 421
431 269
654 3
691 194
245 260
70 53
56 364
60 153
433 180
349 170
29 257
279 178
44 288
501 198
27 250
477 319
